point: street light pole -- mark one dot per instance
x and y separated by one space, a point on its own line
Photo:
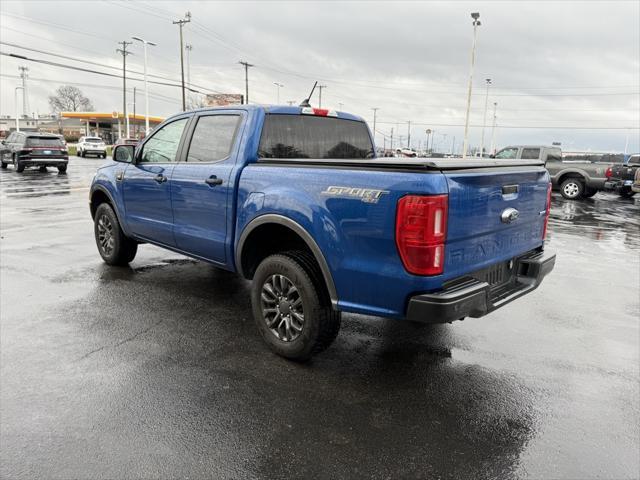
278 85
15 96
476 24
180 23
493 128
484 121
320 87
375 111
246 80
146 88
409 135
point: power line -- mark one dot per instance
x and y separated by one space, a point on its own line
89 62
97 72
546 127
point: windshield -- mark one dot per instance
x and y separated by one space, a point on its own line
43 142
314 137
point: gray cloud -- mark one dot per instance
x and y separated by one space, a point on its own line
551 62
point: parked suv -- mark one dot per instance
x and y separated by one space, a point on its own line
91 146
575 177
32 149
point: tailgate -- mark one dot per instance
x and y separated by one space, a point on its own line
480 229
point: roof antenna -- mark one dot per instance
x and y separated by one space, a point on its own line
305 102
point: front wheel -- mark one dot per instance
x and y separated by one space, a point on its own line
572 189
115 248
19 165
291 308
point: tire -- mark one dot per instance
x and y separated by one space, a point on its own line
83 154
42 169
62 169
4 165
589 192
287 335
114 247
626 193
19 165
572 188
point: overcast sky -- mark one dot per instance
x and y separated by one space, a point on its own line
555 65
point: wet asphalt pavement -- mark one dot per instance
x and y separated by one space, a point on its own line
157 371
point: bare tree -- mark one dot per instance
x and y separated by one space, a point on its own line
69 99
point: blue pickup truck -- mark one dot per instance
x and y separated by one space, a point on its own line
294 199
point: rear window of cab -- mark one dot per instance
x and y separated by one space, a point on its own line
314 137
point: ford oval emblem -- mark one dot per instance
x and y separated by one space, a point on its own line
509 215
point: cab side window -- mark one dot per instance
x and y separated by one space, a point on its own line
213 138
530 153
507 153
163 146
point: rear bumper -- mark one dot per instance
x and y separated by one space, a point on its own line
471 297
44 162
617 184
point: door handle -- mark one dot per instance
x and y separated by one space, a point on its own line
160 178
213 181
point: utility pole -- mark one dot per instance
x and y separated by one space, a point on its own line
15 96
188 47
124 53
320 87
476 24
246 79
391 138
409 135
453 145
278 85
493 128
484 121
25 95
375 111
340 104
135 120
180 23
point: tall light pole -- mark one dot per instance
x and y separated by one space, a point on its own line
375 111
124 53
146 88
180 23
278 86
246 79
15 96
25 96
493 128
409 135
476 24
484 121
320 87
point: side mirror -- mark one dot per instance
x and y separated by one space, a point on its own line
123 153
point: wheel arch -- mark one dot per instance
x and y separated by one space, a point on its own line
250 234
572 174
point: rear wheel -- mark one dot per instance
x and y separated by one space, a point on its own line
291 308
4 165
572 188
62 169
115 248
627 192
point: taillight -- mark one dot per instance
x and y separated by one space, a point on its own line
609 172
546 214
421 230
